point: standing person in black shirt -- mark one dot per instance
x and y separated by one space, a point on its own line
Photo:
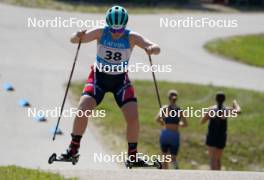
217 116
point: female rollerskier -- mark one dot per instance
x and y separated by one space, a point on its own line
217 128
171 118
114 46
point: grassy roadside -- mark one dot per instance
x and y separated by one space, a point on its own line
246 49
19 173
245 145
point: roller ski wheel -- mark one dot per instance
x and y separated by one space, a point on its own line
143 164
52 158
128 164
157 164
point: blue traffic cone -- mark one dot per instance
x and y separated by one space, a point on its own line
40 118
8 87
59 131
23 102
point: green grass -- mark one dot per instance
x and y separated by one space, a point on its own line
245 139
246 49
89 7
19 173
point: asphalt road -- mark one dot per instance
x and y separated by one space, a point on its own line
37 62
164 174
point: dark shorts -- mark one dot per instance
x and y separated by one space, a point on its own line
98 83
169 141
216 140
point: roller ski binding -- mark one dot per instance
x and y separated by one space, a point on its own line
140 163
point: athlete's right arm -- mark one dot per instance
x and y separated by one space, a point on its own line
159 119
144 43
86 36
236 106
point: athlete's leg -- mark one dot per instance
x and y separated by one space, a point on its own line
215 160
174 148
165 146
211 157
126 100
92 95
219 151
165 165
217 156
174 152
174 161
130 112
86 105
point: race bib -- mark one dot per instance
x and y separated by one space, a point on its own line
113 55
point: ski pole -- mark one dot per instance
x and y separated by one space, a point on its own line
67 88
155 81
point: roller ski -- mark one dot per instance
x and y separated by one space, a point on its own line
71 155
140 163
74 160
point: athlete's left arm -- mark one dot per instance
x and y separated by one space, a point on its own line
236 107
144 43
183 122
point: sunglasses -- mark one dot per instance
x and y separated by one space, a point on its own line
117 30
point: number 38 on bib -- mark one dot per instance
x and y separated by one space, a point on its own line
113 55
